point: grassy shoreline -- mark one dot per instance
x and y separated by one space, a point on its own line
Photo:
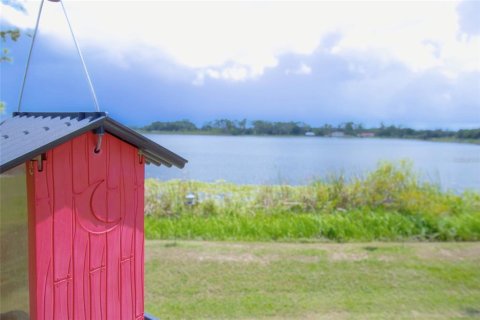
388 204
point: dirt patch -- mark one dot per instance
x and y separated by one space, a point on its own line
227 252
449 252
265 253
237 258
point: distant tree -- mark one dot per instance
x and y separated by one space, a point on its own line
207 126
224 126
358 128
468 134
348 129
183 125
262 127
325 130
6 35
242 126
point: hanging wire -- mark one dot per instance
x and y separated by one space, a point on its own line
92 91
29 57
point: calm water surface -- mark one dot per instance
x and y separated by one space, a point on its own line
300 160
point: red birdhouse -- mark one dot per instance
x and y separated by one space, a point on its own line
85 194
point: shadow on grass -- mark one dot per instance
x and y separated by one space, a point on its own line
171 245
472 312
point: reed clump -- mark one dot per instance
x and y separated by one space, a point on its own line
389 203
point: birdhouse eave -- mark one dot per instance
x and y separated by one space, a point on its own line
28 134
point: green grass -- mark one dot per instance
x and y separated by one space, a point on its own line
13 241
389 203
231 280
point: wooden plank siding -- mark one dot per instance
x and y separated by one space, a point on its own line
86 231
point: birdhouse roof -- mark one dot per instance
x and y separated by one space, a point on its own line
28 134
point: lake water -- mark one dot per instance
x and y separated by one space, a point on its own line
300 160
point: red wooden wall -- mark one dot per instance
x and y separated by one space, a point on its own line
86 231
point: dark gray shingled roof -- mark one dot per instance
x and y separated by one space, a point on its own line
29 134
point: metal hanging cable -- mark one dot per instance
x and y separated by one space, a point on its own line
92 90
29 56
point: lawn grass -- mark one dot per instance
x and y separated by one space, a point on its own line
391 203
251 280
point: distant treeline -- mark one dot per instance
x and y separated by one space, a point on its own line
260 127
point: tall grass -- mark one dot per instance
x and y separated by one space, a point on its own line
389 203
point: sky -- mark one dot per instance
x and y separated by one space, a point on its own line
407 63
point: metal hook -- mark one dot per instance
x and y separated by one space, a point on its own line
40 163
99 143
141 157
39 159
99 133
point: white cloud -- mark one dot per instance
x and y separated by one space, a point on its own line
230 73
302 69
238 41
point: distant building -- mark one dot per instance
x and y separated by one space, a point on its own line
366 135
337 134
310 134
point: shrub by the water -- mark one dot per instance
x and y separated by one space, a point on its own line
390 203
